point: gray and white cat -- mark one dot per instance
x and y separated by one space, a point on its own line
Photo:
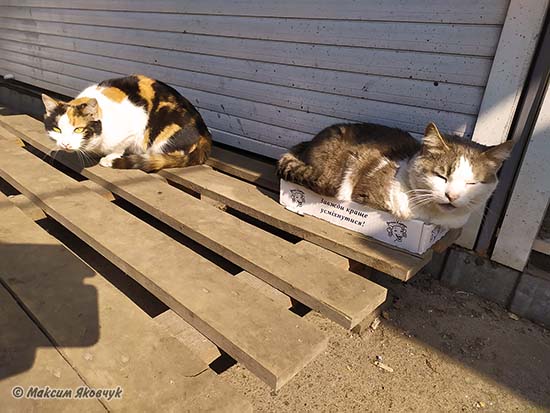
441 180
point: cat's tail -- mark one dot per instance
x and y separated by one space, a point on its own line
150 162
291 168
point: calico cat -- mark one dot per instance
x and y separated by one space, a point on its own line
132 122
441 180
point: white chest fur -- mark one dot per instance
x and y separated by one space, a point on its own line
123 123
346 187
398 199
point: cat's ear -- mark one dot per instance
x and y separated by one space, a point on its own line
50 103
433 139
499 153
89 107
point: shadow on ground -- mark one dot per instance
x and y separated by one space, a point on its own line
49 283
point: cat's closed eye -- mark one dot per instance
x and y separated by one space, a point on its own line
441 176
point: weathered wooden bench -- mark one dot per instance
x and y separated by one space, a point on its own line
231 208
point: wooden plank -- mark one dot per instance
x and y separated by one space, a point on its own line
467 11
31 210
104 335
199 344
448 239
28 358
323 254
273 343
344 107
530 197
249 200
516 47
542 246
342 296
8 135
480 40
251 170
412 92
269 292
98 189
190 337
343 262
471 70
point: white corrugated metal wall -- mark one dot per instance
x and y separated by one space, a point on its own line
266 75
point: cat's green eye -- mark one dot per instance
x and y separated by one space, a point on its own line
56 129
78 130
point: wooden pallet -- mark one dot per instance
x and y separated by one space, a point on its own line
246 315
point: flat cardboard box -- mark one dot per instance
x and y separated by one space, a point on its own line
413 235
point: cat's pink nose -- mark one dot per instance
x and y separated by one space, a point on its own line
451 196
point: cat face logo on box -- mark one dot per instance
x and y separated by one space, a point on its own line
396 230
298 197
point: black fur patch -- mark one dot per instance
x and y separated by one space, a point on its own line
92 129
130 86
181 113
51 119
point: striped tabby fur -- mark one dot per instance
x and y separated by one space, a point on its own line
441 179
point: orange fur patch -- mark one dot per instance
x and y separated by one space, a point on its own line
79 101
156 162
114 93
167 133
74 116
146 90
203 142
167 104
146 135
204 146
176 153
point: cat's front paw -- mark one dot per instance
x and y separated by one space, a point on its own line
107 161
